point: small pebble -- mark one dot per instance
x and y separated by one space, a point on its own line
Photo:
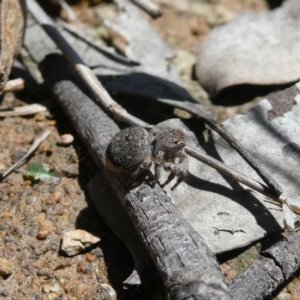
285 296
98 252
4 293
65 139
40 117
90 257
3 227
88 271
52 123
77 240
7 215
69 188
51 287
107 292
54 198
26 183
42 234
44 147
43 223
45 272
63 280
51 189
81 268
6 267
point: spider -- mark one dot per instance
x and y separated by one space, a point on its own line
132 151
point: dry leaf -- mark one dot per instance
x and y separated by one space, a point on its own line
260 49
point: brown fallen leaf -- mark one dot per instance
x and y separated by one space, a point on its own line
259 49
13 17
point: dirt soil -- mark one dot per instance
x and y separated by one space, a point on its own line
34 215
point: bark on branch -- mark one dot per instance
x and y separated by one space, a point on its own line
186 264
273 267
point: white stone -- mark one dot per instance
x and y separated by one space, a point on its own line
76 241
107 292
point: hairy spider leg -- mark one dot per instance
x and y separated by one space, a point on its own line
159 159
145 165
175 170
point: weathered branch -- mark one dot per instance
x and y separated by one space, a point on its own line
184 261
112 107
273 267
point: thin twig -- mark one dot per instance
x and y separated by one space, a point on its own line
119 113
69 11
34 146
25 110
198 111
236 175
96 45
150 7
13 85
101 95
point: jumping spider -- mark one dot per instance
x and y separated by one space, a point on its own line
132 151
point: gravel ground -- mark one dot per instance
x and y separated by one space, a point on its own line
34 215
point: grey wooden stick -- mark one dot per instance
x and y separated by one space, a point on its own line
186 265
273 267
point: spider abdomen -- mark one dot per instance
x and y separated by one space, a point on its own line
128 149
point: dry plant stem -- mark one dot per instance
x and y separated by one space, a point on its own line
150 7
104 99
198 111
34 147
273 267
101 95
185 263
236 175
25 110
69 11
13 85
74 30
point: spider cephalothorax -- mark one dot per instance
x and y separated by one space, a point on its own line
132 150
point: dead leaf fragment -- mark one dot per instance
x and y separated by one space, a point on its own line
260 49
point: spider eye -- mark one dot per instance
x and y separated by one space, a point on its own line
176 142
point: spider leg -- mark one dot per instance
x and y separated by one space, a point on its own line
145 165
159 159
175 170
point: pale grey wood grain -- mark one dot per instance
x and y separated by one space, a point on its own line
273 267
